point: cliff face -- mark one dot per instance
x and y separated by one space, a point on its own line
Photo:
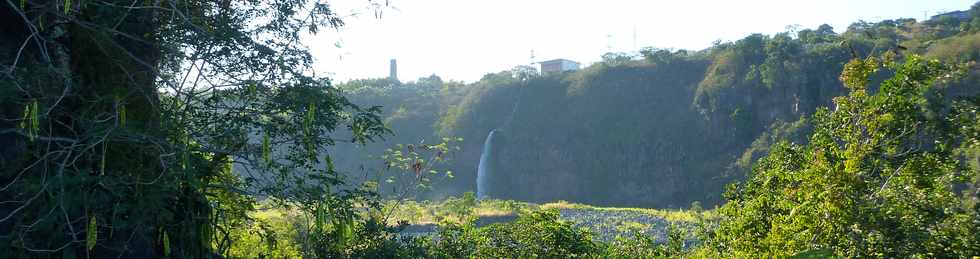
664 131
626 135
607 134
651 132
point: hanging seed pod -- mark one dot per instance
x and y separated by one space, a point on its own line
166 244
25 123
330 167
186 156
266 149
310 150
308 127
122 115
35 122
92 233
310 117
250 90
105 146
30 122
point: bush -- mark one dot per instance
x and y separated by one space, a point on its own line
866 184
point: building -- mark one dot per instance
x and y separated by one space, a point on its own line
959 15
558 65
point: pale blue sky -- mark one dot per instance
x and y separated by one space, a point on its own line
465 39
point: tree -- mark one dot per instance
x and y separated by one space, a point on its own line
616 58
879 177
131 115
824 33
662 56
524 72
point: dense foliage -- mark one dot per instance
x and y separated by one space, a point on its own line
881 176
122 122
536 233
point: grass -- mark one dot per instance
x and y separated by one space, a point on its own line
688 216
454 209
271 229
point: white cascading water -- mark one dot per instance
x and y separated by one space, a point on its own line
483 170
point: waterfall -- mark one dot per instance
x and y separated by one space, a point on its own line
483 170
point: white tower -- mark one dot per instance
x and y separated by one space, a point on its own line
393 71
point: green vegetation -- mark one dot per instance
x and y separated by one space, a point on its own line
536 231
197 129
660 128
880 176
459 210
142 129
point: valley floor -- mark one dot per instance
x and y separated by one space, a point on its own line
605 223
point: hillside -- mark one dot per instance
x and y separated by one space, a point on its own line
661 128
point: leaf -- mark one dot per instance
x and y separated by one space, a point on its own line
92 233
67 6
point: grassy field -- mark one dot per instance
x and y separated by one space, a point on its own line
606 223
275 228
427 212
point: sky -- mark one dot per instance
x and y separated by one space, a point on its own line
464 39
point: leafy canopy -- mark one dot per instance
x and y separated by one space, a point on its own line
879 177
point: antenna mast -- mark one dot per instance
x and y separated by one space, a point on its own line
634 37
532 57
609 43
